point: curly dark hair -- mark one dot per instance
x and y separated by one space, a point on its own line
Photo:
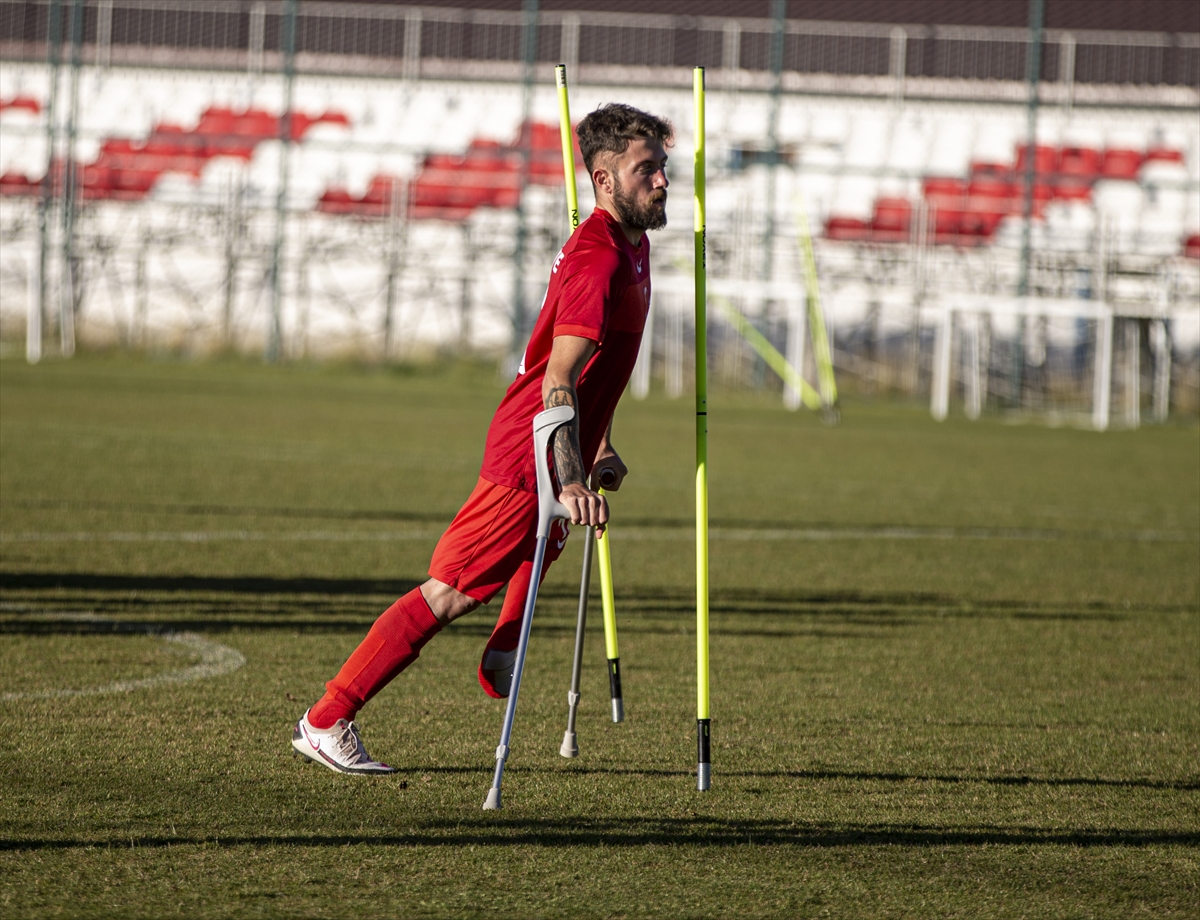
611 127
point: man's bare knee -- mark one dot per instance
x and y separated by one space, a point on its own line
447 603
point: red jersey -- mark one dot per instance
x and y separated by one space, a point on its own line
600 290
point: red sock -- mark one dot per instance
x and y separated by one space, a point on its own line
392 644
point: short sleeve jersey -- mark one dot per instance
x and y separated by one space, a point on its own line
600 290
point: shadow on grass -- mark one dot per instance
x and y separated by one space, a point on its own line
700 830
658 522
1192 785
215 603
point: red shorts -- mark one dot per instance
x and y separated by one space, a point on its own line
491 536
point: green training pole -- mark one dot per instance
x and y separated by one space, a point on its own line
602 544
703 746
568 148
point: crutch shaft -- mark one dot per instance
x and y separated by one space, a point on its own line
570 743
510 710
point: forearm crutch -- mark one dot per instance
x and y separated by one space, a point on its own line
545 424
570 744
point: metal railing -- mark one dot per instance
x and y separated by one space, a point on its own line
413 41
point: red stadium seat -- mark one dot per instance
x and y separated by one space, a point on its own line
891 219
847 228
991 187
980 223
118 145
1164 155
12 183
452 215
506 198
1079 161
1191 246
1121 164
131 184
380 190
1068 190
1045 159
256 123
946 220
983 169
937 188
27 103
336 201
442 161
216 120
97 181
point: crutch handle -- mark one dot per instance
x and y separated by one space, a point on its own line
545 424
607 478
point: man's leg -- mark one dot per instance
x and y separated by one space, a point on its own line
500 653
327 733
479 553
393 643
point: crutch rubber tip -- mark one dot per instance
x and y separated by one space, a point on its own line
492 802
570 746
618 710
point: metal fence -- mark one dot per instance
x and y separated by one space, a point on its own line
418 41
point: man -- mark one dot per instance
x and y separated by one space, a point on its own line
580 354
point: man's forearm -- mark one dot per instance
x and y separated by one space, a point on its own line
568 457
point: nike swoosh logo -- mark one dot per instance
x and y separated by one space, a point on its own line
316 746
562 542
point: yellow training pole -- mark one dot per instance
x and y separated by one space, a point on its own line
704 759
610 627
602 544
568 148
816 314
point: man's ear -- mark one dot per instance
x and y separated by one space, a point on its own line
602 178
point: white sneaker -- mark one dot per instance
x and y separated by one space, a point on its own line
340 748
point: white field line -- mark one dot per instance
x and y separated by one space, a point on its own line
641 533
215 661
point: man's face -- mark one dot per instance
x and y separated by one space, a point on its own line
640 185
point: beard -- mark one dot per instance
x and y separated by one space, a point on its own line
651 215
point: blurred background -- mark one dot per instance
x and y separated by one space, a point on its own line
1002 198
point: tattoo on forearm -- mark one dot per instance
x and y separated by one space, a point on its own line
568 458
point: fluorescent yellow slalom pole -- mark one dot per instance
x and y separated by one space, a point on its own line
568 147
703 723
570 745
610 627
768 352
816 315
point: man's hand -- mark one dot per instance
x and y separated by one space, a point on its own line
586 506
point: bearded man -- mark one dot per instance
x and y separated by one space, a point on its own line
580 354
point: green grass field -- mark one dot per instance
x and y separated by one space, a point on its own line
956 667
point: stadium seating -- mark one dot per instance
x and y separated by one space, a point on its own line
21 103
126 169
449 187
968 210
